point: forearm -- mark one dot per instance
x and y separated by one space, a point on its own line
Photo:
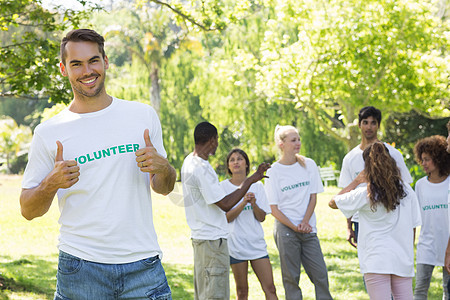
281 217
36 202
235 212
163 183
230 200
259 214
447 257
353 185
310 208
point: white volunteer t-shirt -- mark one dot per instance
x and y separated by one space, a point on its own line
106 216
448 207
201 190
290 187
385 244
246 240
434 212
353 164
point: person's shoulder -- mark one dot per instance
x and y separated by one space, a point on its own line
310 161
422 181
355 151
225 182
392 150
135 105
56 120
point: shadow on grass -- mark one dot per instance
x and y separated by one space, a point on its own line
29 274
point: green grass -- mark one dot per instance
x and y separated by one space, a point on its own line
28 253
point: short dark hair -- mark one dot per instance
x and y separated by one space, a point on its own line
244 155
369 111
82 35
436 147
204 132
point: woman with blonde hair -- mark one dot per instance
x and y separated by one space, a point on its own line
292 188
388 215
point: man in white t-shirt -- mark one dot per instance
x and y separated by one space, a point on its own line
100 156
369 119
205 205
447 252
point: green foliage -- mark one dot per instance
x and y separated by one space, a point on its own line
29 47
13 142
331 58
406 129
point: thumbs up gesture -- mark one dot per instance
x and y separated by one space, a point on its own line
148 159
65 172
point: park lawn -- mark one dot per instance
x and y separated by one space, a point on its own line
28 253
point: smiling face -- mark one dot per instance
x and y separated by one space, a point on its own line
369 128
85 68
291 144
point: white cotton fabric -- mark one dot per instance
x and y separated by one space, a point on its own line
290 187
385 241
353 164
434 231
246 240
201 190
106 216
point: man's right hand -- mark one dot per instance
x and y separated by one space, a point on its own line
259 174
65 173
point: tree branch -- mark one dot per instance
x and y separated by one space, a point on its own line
183 15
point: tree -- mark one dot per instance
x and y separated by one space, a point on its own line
30 37
150 37
333 57
330 58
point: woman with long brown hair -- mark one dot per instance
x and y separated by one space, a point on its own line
389 212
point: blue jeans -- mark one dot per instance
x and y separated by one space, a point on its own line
79 279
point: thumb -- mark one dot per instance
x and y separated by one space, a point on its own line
148 142
59 151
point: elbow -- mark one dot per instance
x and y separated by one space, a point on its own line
332 204
27 215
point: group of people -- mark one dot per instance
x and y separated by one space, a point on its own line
102 156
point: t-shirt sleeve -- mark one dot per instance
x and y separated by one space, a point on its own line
261 198
404 172
316 180
270 186
351 202
345 177
209 185
40 162
415 208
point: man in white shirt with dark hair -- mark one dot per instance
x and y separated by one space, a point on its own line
205 205
369 119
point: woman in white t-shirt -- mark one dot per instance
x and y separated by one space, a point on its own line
246 241
431 191
388 214
292 188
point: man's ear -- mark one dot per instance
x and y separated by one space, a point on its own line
106 62
62 68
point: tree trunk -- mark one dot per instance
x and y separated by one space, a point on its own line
155 90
